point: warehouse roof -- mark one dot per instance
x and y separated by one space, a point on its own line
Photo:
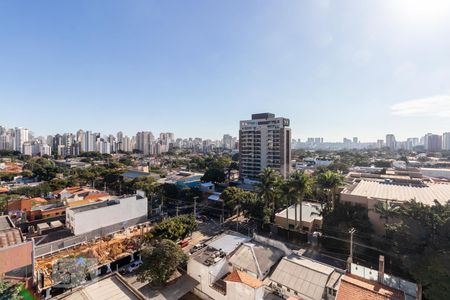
425 193
307 277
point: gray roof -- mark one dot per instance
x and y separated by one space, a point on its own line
104 289
307 277
310 212
5 223
228 241
256 258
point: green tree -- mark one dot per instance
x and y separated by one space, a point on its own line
11 291
214 175
269 188
329 182
300 185
175 228
160 262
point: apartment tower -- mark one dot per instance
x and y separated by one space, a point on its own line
264 141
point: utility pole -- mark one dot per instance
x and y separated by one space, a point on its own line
177 209
195 206
352 231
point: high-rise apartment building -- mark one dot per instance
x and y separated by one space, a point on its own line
446 141
227 141
21 136
391 143
144 141
264 141
433 143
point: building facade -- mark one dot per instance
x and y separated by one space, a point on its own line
264 141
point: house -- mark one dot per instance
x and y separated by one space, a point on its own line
311 217
16 254
210 268
357 288
255 259
304 278
122 212
240 286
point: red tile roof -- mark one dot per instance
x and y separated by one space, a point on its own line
10 237
238 276
357 288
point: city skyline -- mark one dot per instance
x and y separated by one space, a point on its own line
360 69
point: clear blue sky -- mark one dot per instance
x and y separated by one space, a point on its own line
341 68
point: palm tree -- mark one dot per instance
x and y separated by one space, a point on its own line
286 190
330 181
300 185
269 190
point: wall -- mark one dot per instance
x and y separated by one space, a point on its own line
241 291
86 221
206 275
369 203
15 257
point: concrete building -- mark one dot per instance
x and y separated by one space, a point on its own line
144 142
433 143
125 211
446 141
311 218
264 141
391 143
209 266
16 254
21 136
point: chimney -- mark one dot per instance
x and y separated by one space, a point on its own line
381 269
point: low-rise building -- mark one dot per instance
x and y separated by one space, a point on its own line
124 212
370 192
303 278
16 254
311 218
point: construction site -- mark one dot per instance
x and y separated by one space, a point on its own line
101 252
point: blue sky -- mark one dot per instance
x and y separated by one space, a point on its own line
341 68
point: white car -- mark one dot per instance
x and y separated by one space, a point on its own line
134 265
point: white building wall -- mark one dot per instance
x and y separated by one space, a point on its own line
85 221
206 276
240 291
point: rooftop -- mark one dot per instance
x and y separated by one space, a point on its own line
425 193
353 287
256 258
112 287
242 277
307 277
310 212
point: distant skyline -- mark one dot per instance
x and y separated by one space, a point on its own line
196 68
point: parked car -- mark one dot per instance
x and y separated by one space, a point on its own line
183 243
132 267
197 247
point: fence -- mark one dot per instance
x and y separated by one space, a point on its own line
72 241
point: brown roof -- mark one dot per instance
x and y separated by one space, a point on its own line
353 287
10 237
95 196
238 276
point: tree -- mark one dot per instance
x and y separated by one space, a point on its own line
329 182
214 175
234 197
160 262
269 191
300 185
419 237
175 228
11 291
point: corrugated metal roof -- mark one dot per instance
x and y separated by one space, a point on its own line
307 277
425 193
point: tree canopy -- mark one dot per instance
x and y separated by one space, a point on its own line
160 261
